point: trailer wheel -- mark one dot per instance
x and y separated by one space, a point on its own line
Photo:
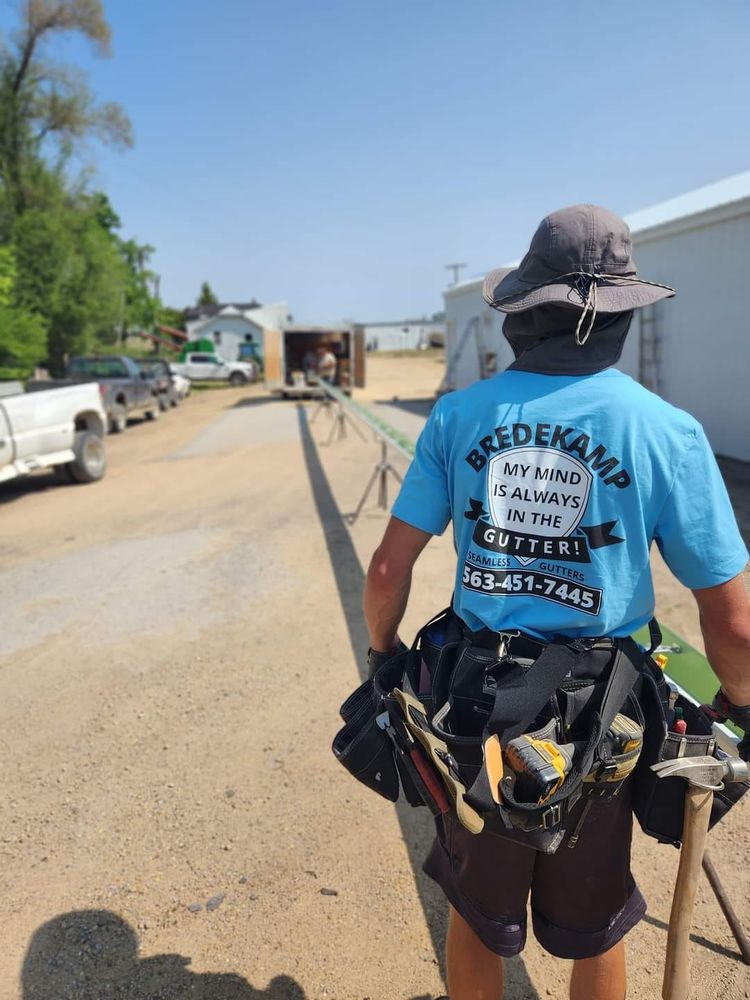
118 419
237 378
90 462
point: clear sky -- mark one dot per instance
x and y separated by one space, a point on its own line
337 155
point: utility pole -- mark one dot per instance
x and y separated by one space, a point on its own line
455 268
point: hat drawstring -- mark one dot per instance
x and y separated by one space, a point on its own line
589 303
586 283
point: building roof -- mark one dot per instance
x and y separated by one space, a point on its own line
207 311
709 198
703 199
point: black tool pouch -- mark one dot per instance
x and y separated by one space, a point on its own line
374 745
659 803
364 747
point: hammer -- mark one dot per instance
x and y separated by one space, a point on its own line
704 775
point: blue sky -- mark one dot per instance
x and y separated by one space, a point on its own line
337 155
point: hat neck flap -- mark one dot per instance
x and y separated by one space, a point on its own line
544 340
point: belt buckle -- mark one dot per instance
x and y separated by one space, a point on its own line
551 816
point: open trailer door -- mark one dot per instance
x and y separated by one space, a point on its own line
272 361
358 339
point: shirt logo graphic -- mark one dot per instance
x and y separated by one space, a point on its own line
537 496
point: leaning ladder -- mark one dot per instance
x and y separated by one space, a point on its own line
448 383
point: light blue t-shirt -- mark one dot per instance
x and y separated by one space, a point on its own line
556 486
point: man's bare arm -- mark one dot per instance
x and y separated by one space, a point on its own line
389 581
725 622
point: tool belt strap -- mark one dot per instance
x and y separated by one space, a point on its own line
522 693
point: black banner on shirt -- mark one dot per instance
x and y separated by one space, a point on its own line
571 548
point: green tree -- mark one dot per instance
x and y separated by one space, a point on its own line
169 316
47 105
22 334
68 281
207 296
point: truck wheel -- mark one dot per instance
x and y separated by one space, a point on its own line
237 378
163 403
118 419
90 462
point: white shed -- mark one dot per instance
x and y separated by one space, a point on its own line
231 325
694 349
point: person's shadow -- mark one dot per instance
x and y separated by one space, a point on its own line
93 955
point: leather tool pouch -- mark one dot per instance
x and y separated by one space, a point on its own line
659 803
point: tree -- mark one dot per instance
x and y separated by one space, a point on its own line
47 105
169 316
68 281
141 306
207 296
22 334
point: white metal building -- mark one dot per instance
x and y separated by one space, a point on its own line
408 335
693 349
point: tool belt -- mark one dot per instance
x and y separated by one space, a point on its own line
659 803
439 720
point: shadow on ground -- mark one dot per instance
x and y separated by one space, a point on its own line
254 401
93 955
38 482
416 826
419 407
698 939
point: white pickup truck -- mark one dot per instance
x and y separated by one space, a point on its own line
61 427
200 367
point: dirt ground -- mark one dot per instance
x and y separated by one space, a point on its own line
175 643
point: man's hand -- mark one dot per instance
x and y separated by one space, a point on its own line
721 709
376 658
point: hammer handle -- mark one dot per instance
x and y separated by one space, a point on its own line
676 984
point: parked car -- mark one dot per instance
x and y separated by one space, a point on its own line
202 367
124 390
63 427
157 370
181 382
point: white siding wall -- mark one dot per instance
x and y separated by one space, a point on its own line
704 330
233 330
461 306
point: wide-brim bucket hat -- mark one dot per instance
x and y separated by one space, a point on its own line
579 256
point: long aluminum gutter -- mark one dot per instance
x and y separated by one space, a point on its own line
384 430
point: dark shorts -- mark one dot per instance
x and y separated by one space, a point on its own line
583 899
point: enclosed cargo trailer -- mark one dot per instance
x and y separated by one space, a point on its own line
292 356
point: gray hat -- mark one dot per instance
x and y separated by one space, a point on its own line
579 256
